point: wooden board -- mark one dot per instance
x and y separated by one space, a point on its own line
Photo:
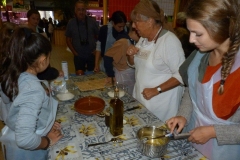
91 84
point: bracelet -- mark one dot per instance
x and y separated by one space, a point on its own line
132 66
49 143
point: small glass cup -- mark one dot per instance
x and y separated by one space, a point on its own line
122 87
122 90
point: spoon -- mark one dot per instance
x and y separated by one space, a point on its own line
145 139
112 140
130 109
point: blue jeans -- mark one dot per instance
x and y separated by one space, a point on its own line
84 63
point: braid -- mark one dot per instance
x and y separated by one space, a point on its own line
229 57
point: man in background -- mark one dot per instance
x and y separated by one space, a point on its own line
81 34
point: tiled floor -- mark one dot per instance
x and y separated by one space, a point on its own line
59 54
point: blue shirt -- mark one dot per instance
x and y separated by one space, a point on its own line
30 116
82 30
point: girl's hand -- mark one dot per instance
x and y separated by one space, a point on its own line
55 134
61 74
179 121
201 135
56 125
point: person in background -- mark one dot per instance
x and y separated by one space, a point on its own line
33 17
123 73
156 57
62 24
41 24
50 29
183 34
107 36
181 20
30 127
45 21
55 23
81 35
33 20
212 74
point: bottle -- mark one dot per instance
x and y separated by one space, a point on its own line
116 114
65 69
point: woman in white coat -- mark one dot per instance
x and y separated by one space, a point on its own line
157 57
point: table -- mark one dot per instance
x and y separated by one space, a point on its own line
80 130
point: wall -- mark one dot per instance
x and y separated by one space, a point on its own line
127 6
18 15
123 5
167 6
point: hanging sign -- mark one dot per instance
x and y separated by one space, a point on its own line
18 4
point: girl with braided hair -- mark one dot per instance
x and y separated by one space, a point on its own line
212 73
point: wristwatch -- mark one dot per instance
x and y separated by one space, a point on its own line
159 89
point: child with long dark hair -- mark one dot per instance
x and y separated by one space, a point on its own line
30 127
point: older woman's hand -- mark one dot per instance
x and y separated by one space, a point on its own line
132 50
148 93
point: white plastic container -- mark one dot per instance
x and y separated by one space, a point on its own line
65 69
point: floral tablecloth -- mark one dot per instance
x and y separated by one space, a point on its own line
80 130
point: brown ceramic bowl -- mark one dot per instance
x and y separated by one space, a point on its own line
89 105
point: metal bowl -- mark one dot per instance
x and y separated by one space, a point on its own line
153 148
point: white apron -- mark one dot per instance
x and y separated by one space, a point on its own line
203 114
164 105
8 135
